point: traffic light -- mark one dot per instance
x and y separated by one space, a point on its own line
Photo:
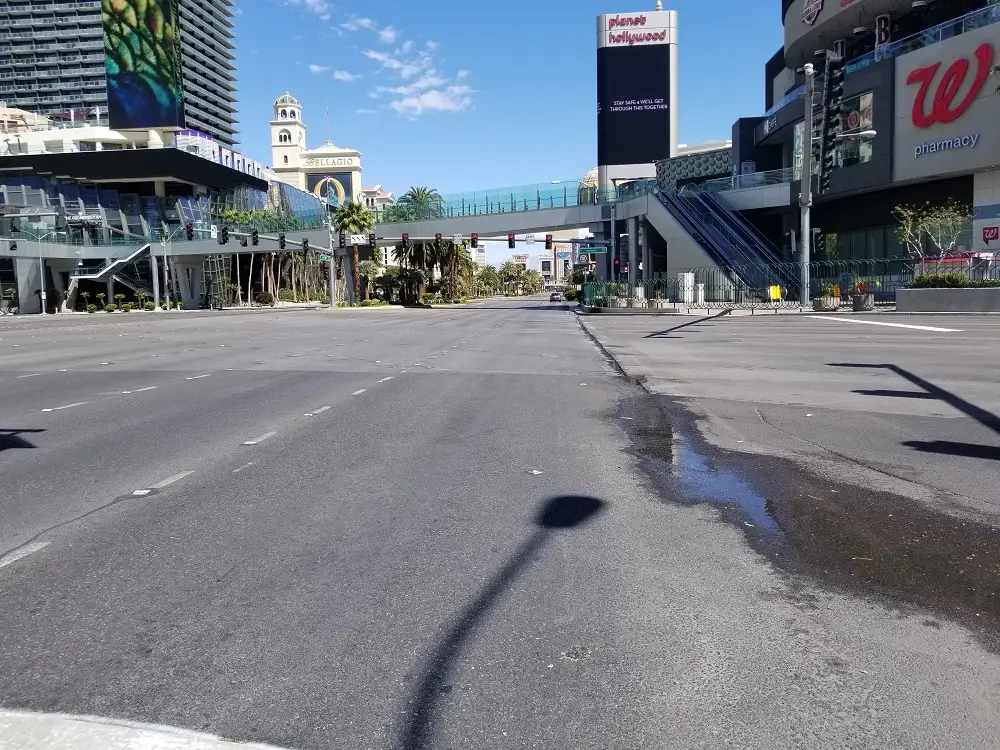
818 244
281 241
548 242
189 231
437 241
305 244
510 241
618 268
833 99
224 237
254 237
342 240
474 240
371 240
405 241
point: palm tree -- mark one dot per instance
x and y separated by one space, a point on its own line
423 202
354 218
369 270
400 255
510 274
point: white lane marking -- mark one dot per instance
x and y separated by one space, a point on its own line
358 393
21 377
66 406
883 323
64 371
147 388
199 377
260 439
245 466
314 412
12 557
384 380
170 480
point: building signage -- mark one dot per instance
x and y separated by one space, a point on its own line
811 10
942 106
991 234
521 259
945 111
636 87
948 144
330 161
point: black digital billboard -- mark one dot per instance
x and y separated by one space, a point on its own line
633 104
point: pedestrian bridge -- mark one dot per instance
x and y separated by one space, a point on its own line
561 205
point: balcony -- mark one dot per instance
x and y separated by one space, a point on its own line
977 19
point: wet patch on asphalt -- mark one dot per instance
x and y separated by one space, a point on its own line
864 542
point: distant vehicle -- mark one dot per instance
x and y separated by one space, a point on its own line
556 297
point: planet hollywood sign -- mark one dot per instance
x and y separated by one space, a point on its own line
625 36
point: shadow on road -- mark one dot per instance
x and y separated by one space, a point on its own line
951 448
985 418
556 515
11 439
664 333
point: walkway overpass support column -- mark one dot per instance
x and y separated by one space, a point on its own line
633 255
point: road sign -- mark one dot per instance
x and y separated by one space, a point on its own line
583 258
457 239
529 239
593 249
359 239
324 259
215 232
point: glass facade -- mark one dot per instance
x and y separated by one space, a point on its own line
857 117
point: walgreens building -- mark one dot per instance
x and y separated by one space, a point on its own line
925 76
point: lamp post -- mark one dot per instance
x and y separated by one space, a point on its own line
805 190
41 265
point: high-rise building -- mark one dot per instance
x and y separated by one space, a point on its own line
52 61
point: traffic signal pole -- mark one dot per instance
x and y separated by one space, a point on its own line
805 186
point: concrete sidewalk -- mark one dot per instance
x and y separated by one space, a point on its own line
23 730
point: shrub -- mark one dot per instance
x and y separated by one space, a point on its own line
180 304
323 299
986 284
463 299
940 281
127 307
826 290
91 308
285 295
428 298
111 307
264 299
571 295
150 306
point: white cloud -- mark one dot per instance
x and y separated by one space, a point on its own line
387 35
314 68
319 7
429 80
364 111
356 24
405 68
449 99
461 74
407 47
432 45
343 75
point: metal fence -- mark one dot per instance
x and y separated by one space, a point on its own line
761 286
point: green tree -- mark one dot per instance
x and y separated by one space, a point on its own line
510 276
487 281
369 272
354 218
423 202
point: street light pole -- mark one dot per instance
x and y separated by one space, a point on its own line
333 263
41 266
805 186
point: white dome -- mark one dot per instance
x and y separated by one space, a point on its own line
589 179
286 99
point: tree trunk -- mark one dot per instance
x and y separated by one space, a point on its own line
357 273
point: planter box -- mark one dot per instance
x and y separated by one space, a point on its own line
826 304
863 302
948 300
617 301
658 304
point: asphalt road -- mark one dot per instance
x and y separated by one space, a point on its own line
444 528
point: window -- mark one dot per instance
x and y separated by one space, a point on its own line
857 116
292 114
284 114
284 136
285 160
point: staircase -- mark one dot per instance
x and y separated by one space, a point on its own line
749 261
113 268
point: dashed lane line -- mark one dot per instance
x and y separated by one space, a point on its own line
384 380
66 406
314 412
259 439
359 392
17 554
154 488
199 377
885 323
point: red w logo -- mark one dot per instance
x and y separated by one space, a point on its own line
947 89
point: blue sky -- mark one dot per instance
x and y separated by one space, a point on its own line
462 95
